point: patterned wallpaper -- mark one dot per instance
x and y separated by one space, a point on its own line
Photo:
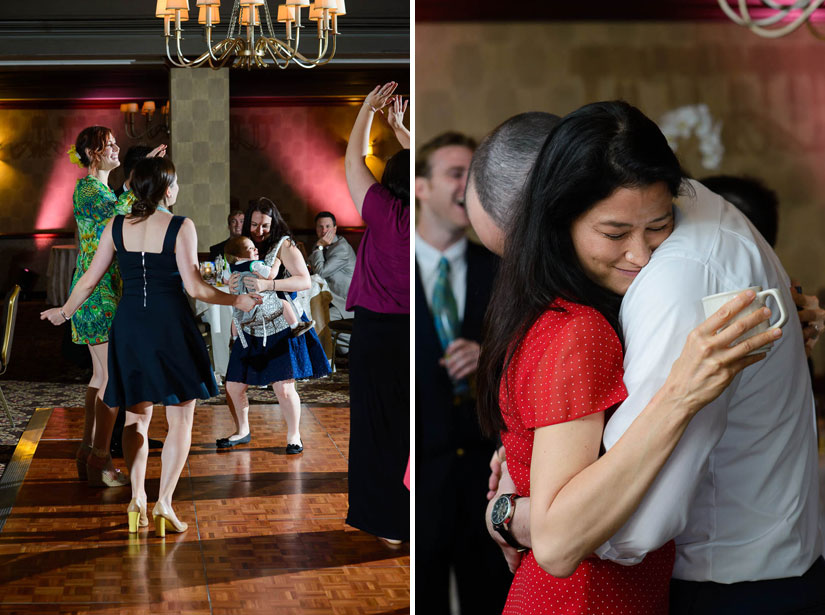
200 149
769 96
293 154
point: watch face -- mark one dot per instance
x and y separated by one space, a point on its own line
501 509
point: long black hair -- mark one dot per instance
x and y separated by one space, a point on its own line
396 177
591 153
150 179
278 229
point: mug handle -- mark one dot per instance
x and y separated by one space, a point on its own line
783 314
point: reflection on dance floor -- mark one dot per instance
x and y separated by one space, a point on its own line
266 530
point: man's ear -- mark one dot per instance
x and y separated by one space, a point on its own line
422 188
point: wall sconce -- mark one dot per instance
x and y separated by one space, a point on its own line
130 110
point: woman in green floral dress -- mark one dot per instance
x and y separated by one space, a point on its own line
94 205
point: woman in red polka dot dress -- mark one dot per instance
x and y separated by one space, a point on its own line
598 202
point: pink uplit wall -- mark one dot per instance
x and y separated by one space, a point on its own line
295 156
38 179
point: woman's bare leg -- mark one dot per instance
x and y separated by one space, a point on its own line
136 447
175 450
104 415
238 404
290 404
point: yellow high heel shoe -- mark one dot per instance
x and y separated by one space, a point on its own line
165 518
137 516
101 472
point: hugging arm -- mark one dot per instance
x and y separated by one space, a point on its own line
293 261
579 499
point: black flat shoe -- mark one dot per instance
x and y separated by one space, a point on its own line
294 449
227 443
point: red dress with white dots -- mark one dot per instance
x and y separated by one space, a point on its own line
569 365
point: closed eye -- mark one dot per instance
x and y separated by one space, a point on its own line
614 237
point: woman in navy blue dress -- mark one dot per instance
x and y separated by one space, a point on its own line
277 359
156 353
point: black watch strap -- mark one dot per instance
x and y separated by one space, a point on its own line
510 539
504 528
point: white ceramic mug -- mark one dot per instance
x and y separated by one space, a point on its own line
712 303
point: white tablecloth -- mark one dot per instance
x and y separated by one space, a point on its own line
314 301
62 261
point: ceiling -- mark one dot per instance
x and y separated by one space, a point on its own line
69 49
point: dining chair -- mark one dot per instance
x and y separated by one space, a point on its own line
10 318
338 327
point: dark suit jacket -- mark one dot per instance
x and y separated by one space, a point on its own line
441 427
452 464
217 249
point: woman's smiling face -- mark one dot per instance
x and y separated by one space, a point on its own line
615 238
259 226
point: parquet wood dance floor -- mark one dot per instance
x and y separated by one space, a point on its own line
266 530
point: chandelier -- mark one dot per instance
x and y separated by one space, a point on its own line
771 26
250 40
147 110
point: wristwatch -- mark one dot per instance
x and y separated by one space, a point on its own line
502 515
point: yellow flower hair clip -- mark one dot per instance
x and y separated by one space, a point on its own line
74 158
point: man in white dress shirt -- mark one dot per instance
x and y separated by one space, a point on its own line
739 494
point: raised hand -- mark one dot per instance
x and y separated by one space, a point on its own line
708 362
395 118
380 96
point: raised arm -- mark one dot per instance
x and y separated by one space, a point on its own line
186 255
395 118
359 177
101 262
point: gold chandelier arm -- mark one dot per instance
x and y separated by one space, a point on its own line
817 34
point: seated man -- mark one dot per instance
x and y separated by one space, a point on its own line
333 259
235 223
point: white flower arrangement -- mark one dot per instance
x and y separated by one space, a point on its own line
682 121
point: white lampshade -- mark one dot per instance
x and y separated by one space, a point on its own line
208 3
297 2
325 4
161 10
340 9
252 2
286 13
177 4
216 14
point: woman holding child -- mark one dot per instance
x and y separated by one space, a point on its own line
272 355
